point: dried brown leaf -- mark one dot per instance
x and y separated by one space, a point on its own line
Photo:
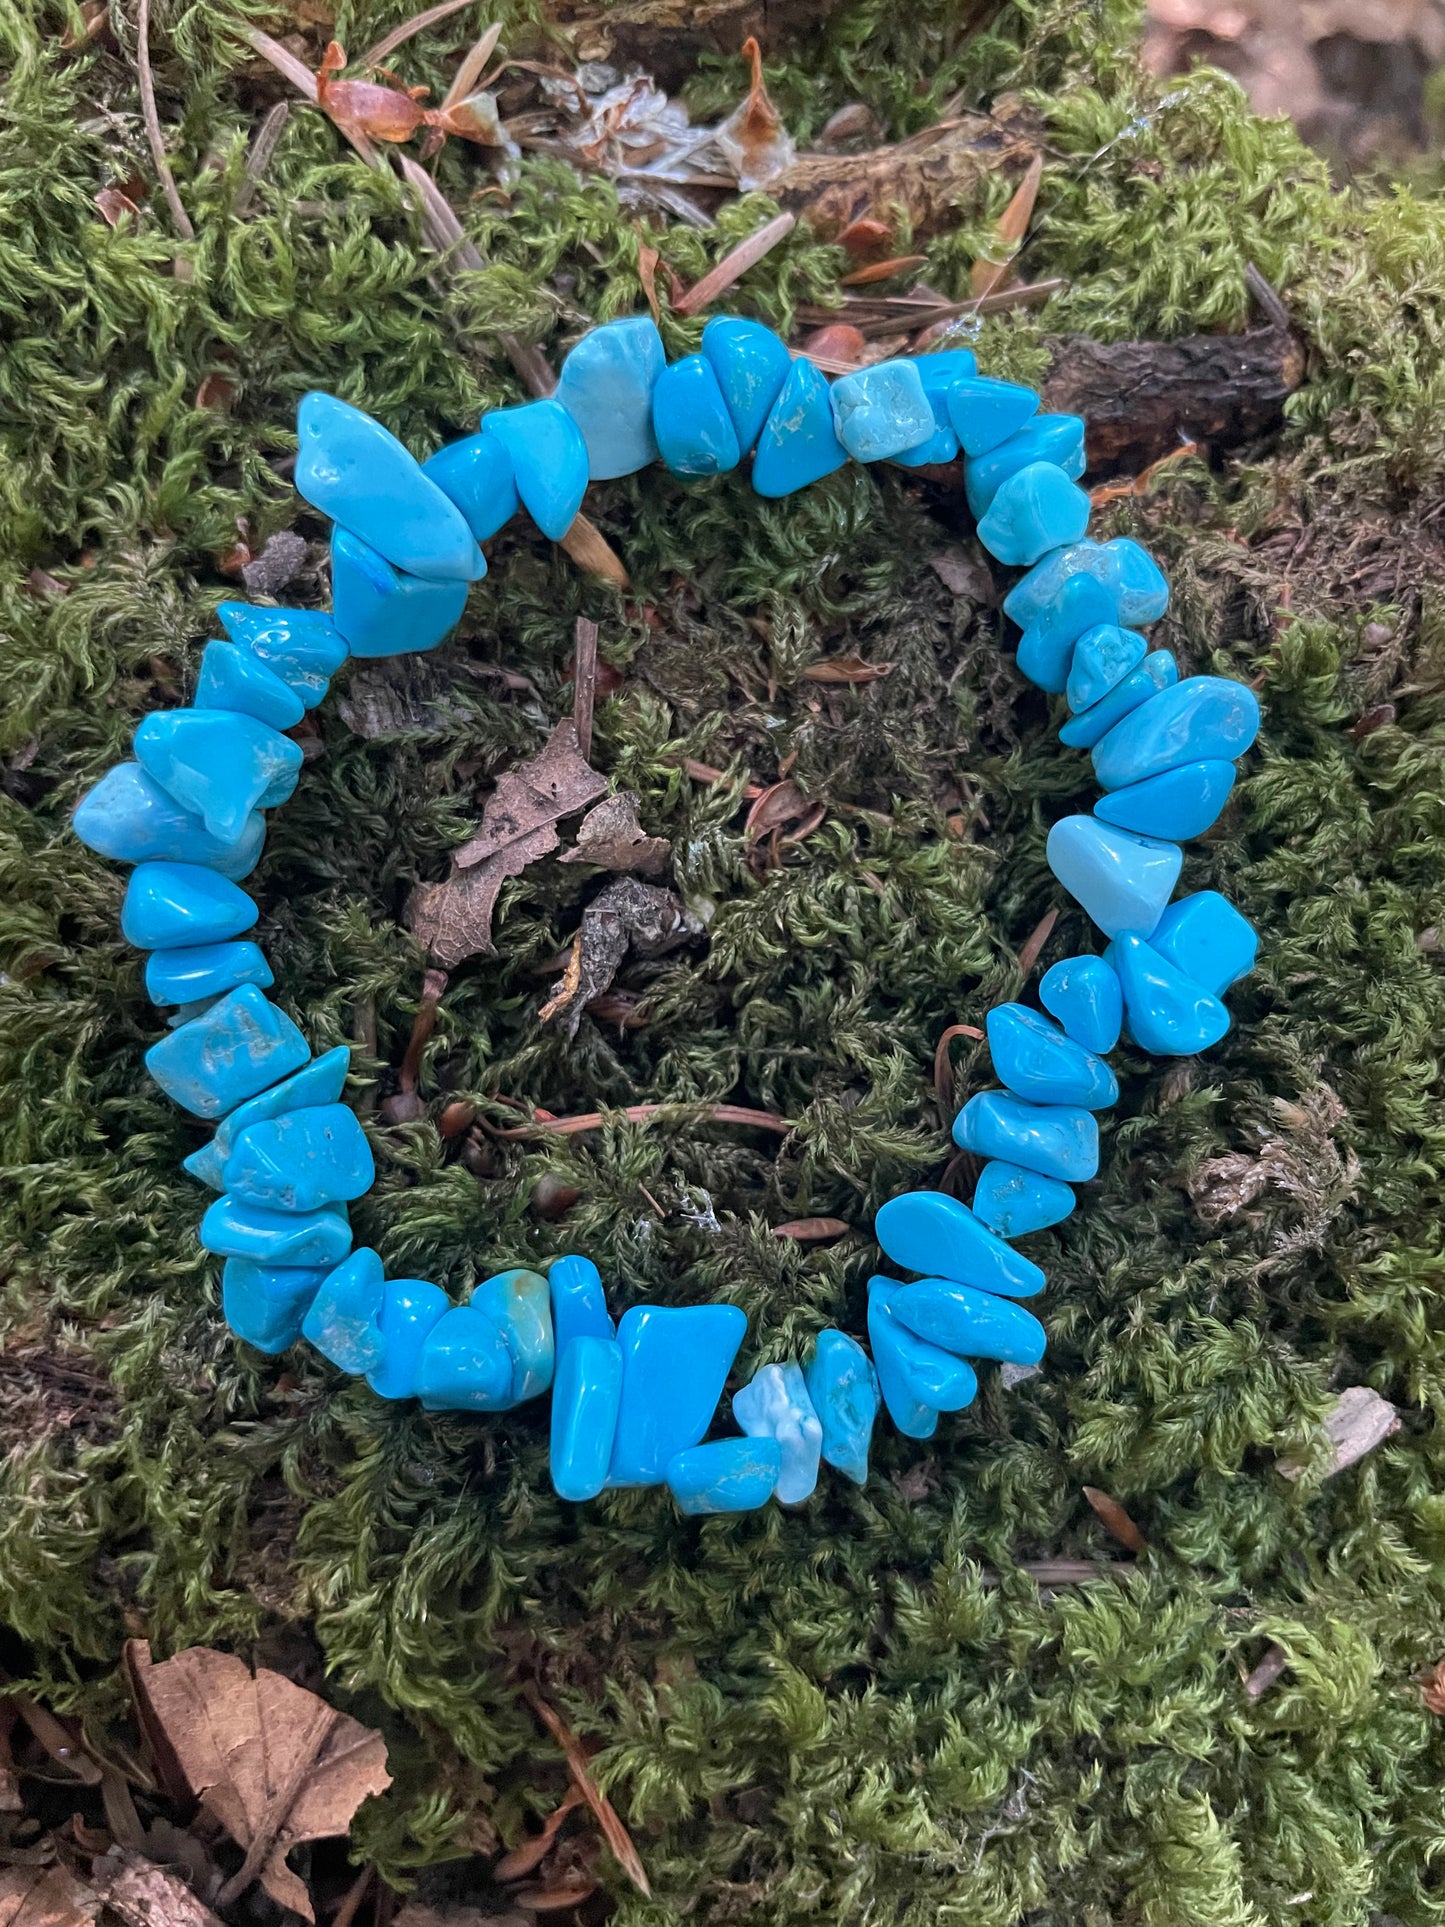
963 574
142 1894
526 1859
1358 1421
1432 1688
993 270
812 1231
556 782
613 1831
611 837
881 270
626 915
549 1900
847 669
753 139
778 805
1115 1518
454 918
45 1897
114 205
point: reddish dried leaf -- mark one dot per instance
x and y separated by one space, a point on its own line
812 1231
1115 1518
647 262
1432 1688
544 1900
777 806
527 1858
114 205
943 1061
865 236
847 669
216 391
45 1897
94 19
882 270
839 341
753 139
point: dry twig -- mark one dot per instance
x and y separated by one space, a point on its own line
153 124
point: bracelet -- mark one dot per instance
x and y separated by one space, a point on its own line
632 1403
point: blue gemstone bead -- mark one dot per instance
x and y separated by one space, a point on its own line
843 1386
690 419
549 460
465 1365
928 1231
579 1304
319 1082
971 1324
606 387
1046 648
1132 574
1084 994
518 1303
775 1405
939 372
1122 880
264 1304
1179 804
1206 938
382 612
277 1238
303 646
342 1322
476 474
1203 718
195 971
917 1380
218 764
233 678
727 1475
985 413
1167 1013
585 1401
798 444
675 1362
1102 658
301 1160
131 819
935 449
359 474
168 905
1013 1201
1158 671
1057 1140
234 1050
411 1309
1058 439
881 411
1037 510
1039 1061
751 365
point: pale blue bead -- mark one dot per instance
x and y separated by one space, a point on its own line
236 1049
194 971
675 1363
1122 880
218 764
131 819
579 1303
940 372
302 1160
235 1230
1122 566
549 460
411 1309
519 1304
264 1305
232 677
359 474
1158 671
751 365
1083 993
775 1404
342 1322
1167 1013
843 1386
168 906
1046 647
968 1323
690 419
985 413
727 1475
1057 1140
929 1232
1048 438
606 387
1206 938
1037 510
1181 803
1201 718
586 1398
476 474
1014 1202
798 444
917 1380
303 646
1037 1060
382 612
465 1365
1103 657
881 411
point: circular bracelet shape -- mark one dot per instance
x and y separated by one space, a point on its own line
632 1404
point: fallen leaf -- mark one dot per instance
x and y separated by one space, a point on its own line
1115 1518
610 836
1358 1421
963 574
546 1900
365 107
615 1834
113 204
779 804
838 341
811 1231
1432 1687
627 915
145 1895
94 19
856 121
216 391
881 270
847 669
454 918
865 236
45 1897
993 269
530 1855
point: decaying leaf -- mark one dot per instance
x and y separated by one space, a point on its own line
779 804
846 669
45 1897
627 915
1358 1421
113 204
526 1859
142 1894
812 1231
1432 1688
610 836
1115 1518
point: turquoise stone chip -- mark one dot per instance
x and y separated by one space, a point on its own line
579 1304
690 419
751 365
476 474
940 372
131 819
586 1398
319 1082
1122 880
675 1362
1013 1201
1158 671
881 411
465 1365
1046 647
235 1230
411 1308
775 1405
382 612
265 1304
1206 938
342 1320
186 975
798 443
1167 1013
985 413
359 474
233 678
1135 578
549 460
606 387
301 1160
843 1386
1180 803
1039 1061
1048 438
1033 512
1057 1140
971 1324
727 1475
170 905
939 447
917 1380
519 1304
1203 718
236 1049
218 764
929 1232
303 646
1103 657
1083 993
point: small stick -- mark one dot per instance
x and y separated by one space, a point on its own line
584 684
1267 296
263 147
389 42
1275 1662
644 1114
153 124
1032 295
735 264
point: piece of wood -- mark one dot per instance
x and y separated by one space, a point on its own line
666 38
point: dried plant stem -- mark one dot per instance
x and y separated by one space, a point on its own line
153 124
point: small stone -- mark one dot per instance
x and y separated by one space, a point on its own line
236 1049
727 1475
131 819
985 413
929 1232
690 419
303 646
939 373
519 1304
1038 1061
1158 671
1122 566
918 1380
549 460
465 1365
233 678
1178 804
196 971
606 387
1058 439
775 1405
411 1309
751 365
278 1238
168 906
1033 512
675 1362
881 411
585 1402
1206 938
579 1303
1083 994
798 443
265 1304
1013 1201
1122 880
319 1082
1202 718
218 764
1046 648
476 474
971 1324
342 1322
1057 1140
843 1386
1103 657
379 610
301 1160
1167 1013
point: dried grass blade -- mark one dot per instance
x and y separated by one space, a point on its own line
389 42
616 1835
472 68
1038 937
735 264
1010 230
153 124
